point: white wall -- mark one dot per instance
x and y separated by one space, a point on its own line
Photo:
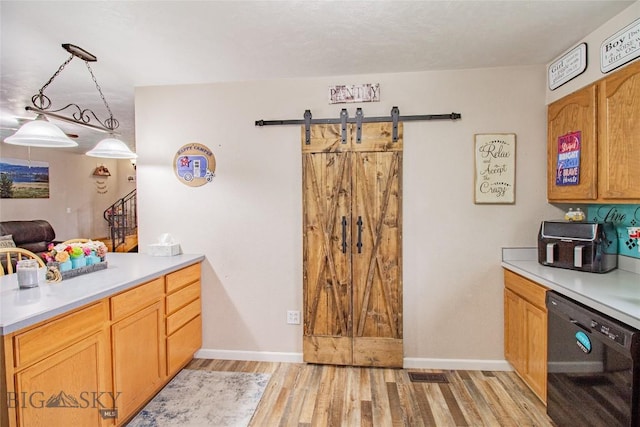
71 185
594 41
248 221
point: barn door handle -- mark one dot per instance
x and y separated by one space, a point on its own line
359 244
344 234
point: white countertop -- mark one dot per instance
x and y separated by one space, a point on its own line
20 308
616 293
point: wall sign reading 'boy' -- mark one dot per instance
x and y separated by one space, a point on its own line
495 164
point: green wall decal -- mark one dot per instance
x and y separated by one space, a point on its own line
626 219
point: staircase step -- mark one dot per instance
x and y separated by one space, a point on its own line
130 243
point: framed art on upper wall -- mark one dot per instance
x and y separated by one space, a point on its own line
24 179
495 168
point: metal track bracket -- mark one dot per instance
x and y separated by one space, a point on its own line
344 116
307 126
394 117
359 117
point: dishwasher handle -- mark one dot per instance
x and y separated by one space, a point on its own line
580 325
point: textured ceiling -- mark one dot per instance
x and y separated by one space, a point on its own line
143 43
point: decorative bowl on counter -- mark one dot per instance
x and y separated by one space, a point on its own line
74 259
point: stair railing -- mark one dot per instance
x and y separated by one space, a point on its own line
122 217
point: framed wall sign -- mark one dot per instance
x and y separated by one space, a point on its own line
495 168
342 94
568 66
194 164
569 147
620 48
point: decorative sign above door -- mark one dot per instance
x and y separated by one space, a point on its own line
495 168
568 66
342 94
620 48
194 164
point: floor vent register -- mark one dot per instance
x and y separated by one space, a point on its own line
428 377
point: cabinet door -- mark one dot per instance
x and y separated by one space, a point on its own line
326 248
619 135
514 331
139 358
182 344
69 388
536 349
573 113
525 331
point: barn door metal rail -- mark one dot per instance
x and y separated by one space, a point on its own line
358 120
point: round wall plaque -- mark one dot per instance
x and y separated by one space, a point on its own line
194 164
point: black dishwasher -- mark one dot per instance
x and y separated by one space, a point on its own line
593 372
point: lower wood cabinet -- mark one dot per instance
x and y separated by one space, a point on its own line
182 344
138 357
184 320
138 349
525 331
98 365
59 373
70 387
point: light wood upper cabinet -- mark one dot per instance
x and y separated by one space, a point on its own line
525 331
575 112
607 113
619 135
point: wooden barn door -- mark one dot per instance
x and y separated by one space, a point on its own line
326 256
352 246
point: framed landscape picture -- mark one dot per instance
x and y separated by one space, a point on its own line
495 168
23 179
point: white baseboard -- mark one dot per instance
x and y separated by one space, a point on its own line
457 364
409 362
256 356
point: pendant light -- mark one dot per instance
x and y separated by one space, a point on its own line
41 133
111 148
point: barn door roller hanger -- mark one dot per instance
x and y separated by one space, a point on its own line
358 120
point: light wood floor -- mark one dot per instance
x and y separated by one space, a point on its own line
319 395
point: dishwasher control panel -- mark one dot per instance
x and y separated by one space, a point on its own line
609 331
592 321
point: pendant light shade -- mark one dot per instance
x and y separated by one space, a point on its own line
40 133
112 148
